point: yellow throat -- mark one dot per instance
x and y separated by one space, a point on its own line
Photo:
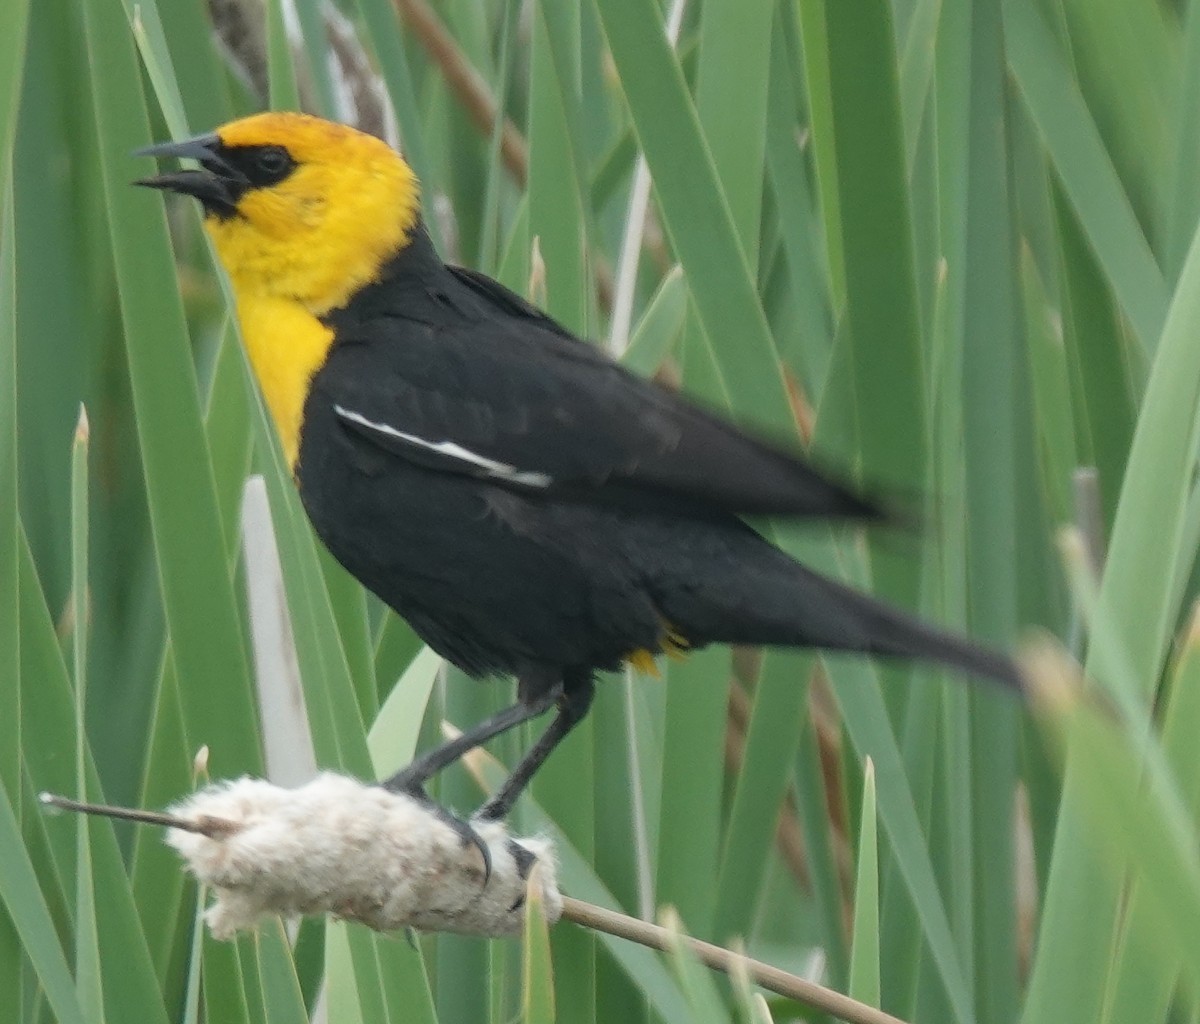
300 248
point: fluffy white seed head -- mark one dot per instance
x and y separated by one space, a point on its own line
359 852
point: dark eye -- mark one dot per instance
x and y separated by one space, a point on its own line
272 163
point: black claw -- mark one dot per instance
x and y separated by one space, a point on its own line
468 836
400 784
471 837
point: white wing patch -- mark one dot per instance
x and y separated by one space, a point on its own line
489 467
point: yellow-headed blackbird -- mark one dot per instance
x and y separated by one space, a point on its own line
528 505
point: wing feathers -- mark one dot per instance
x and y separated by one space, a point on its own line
456 456
493 388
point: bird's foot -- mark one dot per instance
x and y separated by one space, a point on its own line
469 837
415 789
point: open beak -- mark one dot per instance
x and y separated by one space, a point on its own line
217 184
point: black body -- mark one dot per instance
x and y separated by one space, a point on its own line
617 523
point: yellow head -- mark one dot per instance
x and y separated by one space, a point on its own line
299 208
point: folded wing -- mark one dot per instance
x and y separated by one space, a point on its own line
490 387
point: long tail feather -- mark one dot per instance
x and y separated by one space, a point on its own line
786 604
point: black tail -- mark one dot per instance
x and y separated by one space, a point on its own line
838 618
782 603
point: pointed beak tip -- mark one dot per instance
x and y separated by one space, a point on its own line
199 147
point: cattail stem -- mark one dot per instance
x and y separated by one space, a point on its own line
655 936
206 826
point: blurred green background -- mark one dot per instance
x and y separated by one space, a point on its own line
948 244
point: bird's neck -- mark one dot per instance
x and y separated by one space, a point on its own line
287 345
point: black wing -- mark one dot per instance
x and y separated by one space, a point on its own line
459 374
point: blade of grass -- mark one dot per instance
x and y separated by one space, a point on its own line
316 63
406 986
621 810
368 974
488 257
1051 393
556 216
337 727
191 999
14 19
30 917
151 42
1137 812
1093 330
1145 973
393 737
130 988
772 738
385 36
696 982
158 884
282 1001
1081 901
348 602
917 56
88 970
992 399
287 740
731 101
47 713
1078 155
660 327
396 645
877 250
808 780
227 428
284 93
802 233
537 970
814 35
868 724
557 220
1182 206
634 232
10 625
864 950
341 987
223 983
694 209
1126 60
692 781
198 594
195 74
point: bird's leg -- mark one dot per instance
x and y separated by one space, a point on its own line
412 778
573 703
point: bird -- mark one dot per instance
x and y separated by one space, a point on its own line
528 505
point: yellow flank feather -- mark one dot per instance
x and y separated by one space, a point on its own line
673 644
643 661
303 247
